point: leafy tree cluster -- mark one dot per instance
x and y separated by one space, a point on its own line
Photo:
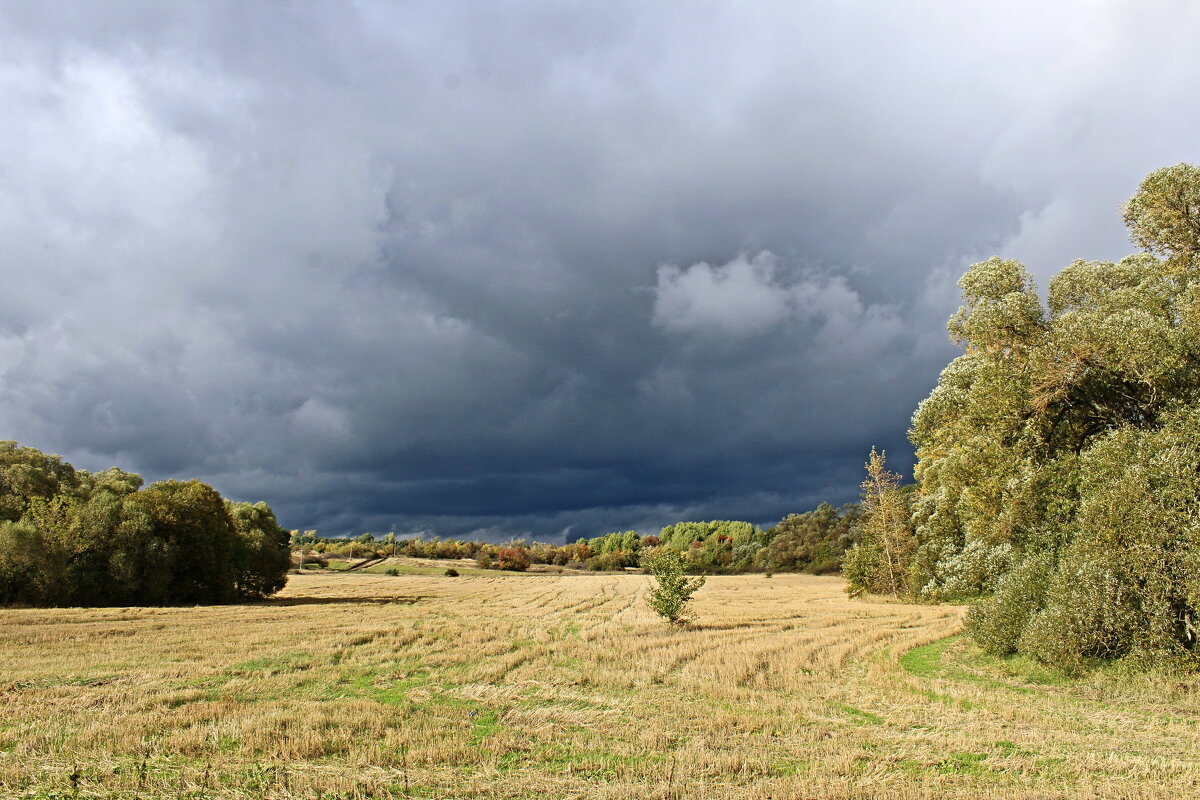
1059 455
720 546
70 537
812 542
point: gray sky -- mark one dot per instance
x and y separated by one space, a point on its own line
505 268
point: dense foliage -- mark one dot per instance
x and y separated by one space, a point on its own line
69 537
812 542
1059 456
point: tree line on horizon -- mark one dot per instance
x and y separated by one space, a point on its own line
1058 458
812 542
70 537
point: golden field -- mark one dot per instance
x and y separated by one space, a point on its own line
542 686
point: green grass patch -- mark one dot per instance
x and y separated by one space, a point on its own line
789 768
926 661
597 764
483 725
956 658
965 763
860 717
272 665
371 686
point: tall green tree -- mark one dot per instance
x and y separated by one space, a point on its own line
26 473
1057 456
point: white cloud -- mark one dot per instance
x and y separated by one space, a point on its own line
740 298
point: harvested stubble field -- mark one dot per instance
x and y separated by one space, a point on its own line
561 687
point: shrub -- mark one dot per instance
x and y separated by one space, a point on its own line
999 622
607 561
451 573
261 550
1091 613
483 561
813 542
393 571
514 559
672 590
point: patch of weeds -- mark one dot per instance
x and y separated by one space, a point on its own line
937 697
511 760
964 763
1005 748
593 764
789 768
860 717
271 665
1050 763
368 685
928 662
401 789
1021 667
569 662
483 725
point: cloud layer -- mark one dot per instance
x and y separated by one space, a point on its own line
538 269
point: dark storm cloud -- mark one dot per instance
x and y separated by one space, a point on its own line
509 268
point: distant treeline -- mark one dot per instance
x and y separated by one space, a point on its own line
813 542
74 538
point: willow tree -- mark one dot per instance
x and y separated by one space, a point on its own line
1057 456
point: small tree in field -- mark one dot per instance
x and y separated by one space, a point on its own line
672 589
879 562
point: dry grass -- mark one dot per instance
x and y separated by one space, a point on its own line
560 687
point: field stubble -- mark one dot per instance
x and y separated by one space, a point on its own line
515 686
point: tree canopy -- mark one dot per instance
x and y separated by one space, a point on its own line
69 537
1059 455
